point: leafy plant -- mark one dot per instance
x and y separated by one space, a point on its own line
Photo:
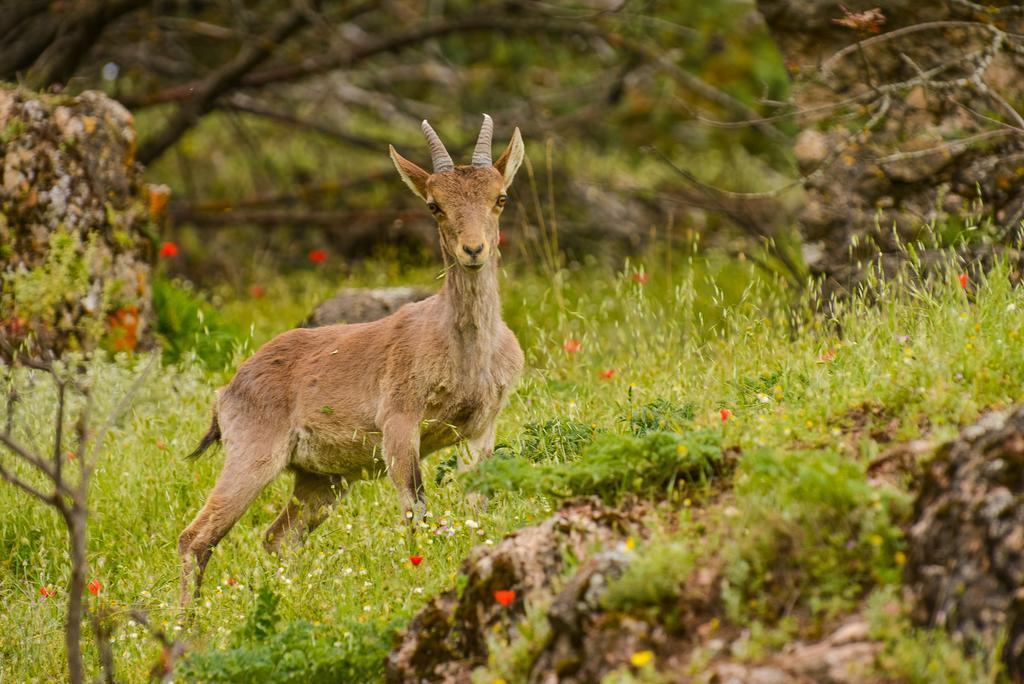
558 439
660 415
186 323
263 619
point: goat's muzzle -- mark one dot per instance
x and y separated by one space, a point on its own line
473 256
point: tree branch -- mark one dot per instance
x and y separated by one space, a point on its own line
200 97
246 105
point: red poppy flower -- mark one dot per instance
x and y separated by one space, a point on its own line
641 278
725 414
257 291
169 250
47 592
95 587
572 346
70 455
505 597
318 256
232 581
502 240
963 281
415 560
608 373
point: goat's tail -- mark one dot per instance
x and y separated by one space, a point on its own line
212 435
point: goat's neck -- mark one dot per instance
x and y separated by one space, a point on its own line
473 305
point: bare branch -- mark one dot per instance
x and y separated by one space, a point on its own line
58 432
24 454
952 145
248 105
48 499
273 217
828 65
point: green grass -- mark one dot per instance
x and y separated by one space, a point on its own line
704 335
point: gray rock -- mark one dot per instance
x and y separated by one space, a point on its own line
357 305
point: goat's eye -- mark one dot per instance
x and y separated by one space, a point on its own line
502 199
434 209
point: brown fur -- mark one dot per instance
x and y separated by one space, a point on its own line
344 402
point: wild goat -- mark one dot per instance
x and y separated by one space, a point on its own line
343 402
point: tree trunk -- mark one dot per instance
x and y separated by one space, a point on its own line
909 119
75 518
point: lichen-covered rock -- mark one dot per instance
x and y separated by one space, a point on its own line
358 305
73 216
966 552
449 638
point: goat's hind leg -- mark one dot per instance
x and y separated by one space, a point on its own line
245 474
311 502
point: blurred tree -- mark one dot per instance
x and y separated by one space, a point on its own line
271 113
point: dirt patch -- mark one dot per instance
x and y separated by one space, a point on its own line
871 419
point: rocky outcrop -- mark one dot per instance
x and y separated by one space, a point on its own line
449 638
966 552
899 109
74 214
558 572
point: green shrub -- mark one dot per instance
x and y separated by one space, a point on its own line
812 532
301 652
185 323
610 467
654 578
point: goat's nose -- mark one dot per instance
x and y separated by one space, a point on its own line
473 251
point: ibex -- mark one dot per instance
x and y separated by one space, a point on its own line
342 402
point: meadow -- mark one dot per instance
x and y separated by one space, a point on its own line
683 342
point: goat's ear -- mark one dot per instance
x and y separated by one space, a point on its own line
509 161
413 175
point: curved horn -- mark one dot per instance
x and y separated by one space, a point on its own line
438 154
482 151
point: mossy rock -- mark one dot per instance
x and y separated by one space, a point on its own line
74 220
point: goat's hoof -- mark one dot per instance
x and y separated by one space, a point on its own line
416 513
477 502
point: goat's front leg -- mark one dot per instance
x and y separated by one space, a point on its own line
478 448
402 458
